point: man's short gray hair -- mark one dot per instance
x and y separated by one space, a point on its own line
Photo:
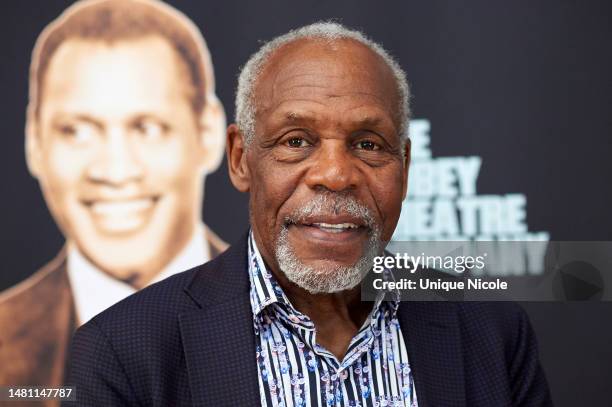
327 31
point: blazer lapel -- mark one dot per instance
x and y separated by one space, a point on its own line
220 354
435 353
218 337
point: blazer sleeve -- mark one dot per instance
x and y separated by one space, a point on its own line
529 385
96 372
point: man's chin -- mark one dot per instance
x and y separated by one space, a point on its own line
322 275
124 269
325 281
325 267
124 258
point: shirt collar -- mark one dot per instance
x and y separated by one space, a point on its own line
94 290
266 291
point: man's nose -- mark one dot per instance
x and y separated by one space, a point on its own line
117 163
333 167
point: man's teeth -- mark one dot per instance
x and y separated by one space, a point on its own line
335 227
121 207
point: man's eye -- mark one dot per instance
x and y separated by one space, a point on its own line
77 132
67 129
367 145
150 129
296 142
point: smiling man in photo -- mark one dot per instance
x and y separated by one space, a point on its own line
320 144
123 125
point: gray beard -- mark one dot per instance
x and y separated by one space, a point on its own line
331 279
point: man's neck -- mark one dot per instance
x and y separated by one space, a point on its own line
337 317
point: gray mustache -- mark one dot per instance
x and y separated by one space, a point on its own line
332 204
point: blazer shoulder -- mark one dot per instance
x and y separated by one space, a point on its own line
157 304
37 318
137 341
150 303
42 283
499 315
500 325
499 333
135 334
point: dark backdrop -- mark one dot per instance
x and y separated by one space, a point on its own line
525 85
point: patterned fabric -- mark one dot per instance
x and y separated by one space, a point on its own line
295 371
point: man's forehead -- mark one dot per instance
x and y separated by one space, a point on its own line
114 80
88 71
309 70
313 56
128 50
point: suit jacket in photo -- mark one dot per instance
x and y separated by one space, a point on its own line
37 320
189 340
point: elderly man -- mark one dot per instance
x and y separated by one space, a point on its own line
123 125
321 114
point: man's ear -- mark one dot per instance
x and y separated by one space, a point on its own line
212 131
406 162
33 149
237 159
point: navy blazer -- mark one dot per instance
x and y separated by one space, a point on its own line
189 340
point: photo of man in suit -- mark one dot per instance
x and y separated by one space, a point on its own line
320 145
123 125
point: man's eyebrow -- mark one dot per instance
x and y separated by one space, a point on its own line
82 117
370 121
294 116
298 117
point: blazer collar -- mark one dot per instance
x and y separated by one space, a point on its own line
220 279
433 340
218 338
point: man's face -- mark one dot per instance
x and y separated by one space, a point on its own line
327 173
117 152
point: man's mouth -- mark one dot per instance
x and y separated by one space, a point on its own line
338 229
122 207
334 227
121 215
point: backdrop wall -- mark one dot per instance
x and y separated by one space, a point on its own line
524 86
